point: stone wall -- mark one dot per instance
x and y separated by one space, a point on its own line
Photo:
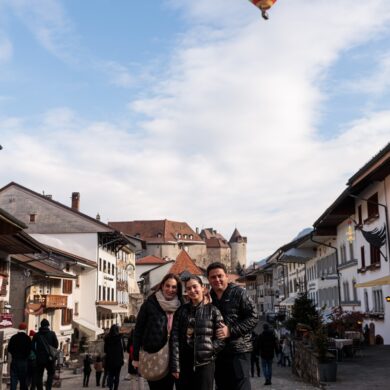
305 363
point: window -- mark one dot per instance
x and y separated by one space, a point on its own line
351 254
378 300
77 280
375 255
354 290
343 256
33 218
372 206
100 293
346 291
104 266
100 263
67 286
104 293
360 215
76 308
67 316
363 257
366 305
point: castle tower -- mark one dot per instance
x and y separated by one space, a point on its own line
238 250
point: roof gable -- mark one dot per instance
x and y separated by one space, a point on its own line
51 216
157 231
185 263
149 260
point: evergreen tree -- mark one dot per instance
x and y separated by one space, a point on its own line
303 312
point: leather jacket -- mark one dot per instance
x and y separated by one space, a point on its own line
240 315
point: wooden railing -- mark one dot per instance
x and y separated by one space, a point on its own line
52 301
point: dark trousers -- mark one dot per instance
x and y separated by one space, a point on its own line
266 364
200 378
113 377
86 378
255 361
19 373
98 376
50 368
165 383
232 371
105 374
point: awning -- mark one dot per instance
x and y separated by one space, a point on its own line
376 282
88 328
113 308
288 301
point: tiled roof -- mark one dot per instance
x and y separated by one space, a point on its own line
213 238
150 260
44 197
80 259
41 267
232 278
160 231
236 237
184 263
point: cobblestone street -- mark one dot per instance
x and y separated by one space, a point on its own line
283 379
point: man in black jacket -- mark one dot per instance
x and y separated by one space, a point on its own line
19 347
268 347
240 317
40 343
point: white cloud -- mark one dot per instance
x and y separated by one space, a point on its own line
230 133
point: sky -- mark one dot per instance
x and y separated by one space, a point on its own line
194 111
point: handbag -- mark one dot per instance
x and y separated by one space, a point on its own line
154 366
52 353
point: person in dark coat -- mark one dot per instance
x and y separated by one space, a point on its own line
42 355
194 345
87 369
114 348
98 365
154 323
19 347
255 355
268 346
239 313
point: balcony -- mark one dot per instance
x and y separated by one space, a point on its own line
52 301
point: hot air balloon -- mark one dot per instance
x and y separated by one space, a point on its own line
264 6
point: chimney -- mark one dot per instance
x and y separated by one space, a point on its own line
49 196
197 230
76 201
98 216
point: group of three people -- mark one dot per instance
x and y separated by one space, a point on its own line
209 337
30 358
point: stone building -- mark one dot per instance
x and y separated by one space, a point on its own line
165 239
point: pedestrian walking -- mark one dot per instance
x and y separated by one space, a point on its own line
98 366
31 365
232 365
19 347
268 347
151 333
194 345
40 345
87 369
114 348
286 352
105 372
255 357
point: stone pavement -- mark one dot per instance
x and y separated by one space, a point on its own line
371 370
282 380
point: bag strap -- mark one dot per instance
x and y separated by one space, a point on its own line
45 344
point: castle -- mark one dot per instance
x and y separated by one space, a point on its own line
165 239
